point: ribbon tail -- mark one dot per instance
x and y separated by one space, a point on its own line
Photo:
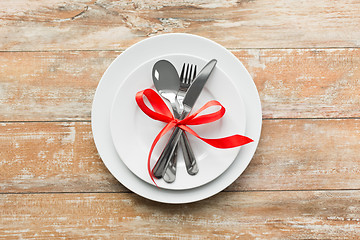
157 138
226 142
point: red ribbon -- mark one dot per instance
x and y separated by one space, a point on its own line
162 113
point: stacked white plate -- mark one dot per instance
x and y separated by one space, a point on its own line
123 134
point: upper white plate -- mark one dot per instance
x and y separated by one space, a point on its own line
133 132
136 55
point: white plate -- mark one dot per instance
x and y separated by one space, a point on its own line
133 132
166 44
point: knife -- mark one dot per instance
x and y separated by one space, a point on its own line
189 100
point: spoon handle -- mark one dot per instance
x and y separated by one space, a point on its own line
169 175
167 153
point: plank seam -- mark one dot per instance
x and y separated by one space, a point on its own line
123 49
89 121
231 191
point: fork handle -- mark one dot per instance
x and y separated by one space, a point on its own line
189 157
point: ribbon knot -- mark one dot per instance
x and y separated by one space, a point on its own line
162 113
177 122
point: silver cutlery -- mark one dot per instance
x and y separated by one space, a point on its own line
188 102
167 83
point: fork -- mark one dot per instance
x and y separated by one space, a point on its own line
187 76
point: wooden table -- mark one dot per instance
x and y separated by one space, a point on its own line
303 181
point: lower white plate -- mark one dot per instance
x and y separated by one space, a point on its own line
133 132
143 51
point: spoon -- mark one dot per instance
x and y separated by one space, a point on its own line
167 83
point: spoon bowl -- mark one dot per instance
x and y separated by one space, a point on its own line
166 80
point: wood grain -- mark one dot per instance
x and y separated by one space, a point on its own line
50 86
292 155
305 154
103 25
248 215
43 157
306 83
310 83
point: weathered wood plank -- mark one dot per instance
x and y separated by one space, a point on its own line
292 155
60 157
50 86
249 215
292 83
104 24
306 83
305 154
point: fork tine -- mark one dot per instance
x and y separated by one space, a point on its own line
182 73
194 75
187 74
190 73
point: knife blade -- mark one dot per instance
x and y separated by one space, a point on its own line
190 98
197 86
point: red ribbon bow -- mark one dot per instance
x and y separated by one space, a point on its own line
162 113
